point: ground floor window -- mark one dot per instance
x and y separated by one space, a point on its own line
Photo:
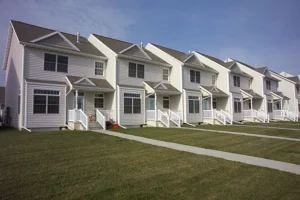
270 108
166 102
249 105
206 104
214 103
46 102
152 102
237 105
277 106
132 103
99 101
194 103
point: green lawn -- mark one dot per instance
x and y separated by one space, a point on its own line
254 130
281 124
86 165
281 150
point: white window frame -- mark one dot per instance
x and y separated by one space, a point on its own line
238 102
136 70
195 76
194 99
236 81
134 96
95 97
166 98
165 74
103 68
56 62
250 83
46 95
214 79
268 81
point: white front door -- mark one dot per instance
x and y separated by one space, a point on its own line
80 101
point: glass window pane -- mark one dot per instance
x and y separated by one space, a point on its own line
197 106
49 62
191 106
197 77
192 76
140 70
132 70
62 67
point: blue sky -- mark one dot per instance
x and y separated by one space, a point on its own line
261 32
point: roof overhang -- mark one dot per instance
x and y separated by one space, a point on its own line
204 91
199 67
135 45
7 49
91 87
276 96
154 89
143 60
280 76
246 94
39 46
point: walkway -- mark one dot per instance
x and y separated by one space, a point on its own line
251 160
245 134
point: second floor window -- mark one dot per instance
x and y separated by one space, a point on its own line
99 68
236 81
213 80
249 83
166 74
268 84
194 76
54 63
136 70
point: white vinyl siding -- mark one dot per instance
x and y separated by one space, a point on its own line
135 118
244 83
193 117
45 120
205 77
56 41
151 73
77 66
13 80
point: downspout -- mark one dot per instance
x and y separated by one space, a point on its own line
22 90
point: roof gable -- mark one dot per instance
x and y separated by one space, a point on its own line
160 86
235 68
56 39
84 81
135 51
193 60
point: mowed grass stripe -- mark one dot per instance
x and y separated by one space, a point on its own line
253 130
280 150
85 165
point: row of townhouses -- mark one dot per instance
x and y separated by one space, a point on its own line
55 79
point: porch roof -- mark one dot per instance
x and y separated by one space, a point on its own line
279 95
212 90
162 88
91 84
251 94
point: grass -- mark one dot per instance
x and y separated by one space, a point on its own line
253 130
86 165
281 124
281 150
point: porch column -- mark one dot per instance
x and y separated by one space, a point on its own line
281 105
76 99
211 106
155 105
252 108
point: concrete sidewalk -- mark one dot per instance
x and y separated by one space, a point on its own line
245 134
251 160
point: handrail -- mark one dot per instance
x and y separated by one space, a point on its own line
72 115
290 115
163 118
84 119
101 119
220 116
228 117
174 117
258 114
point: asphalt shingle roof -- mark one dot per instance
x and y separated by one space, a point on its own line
27 32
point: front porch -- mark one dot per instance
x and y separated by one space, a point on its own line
280 102
89 107
162 105
214 106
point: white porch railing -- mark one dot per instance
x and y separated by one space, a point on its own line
248 113
260 115
228 117
218 115
163 118
83 118
72 115
101 119
207 114
78 116
174 117
290 115
150 114
278 113
109 114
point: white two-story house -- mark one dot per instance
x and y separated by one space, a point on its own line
199 85
54 78
148 88
266 85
